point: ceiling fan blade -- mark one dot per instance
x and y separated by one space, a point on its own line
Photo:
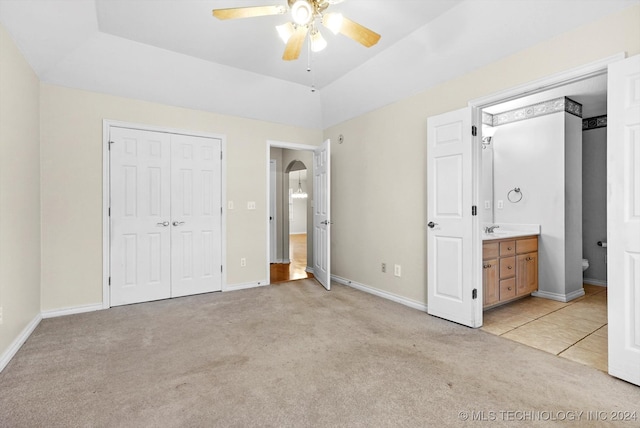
359 33
294 45
249 12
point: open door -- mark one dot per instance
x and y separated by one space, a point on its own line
453 289
623 219
321 214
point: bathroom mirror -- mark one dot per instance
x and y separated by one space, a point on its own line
487 174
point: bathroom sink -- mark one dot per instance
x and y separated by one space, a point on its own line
504 234
509 230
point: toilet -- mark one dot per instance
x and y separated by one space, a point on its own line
585 264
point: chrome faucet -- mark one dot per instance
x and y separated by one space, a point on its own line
490 229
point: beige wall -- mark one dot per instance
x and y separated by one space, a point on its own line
19 193
71 128
379 191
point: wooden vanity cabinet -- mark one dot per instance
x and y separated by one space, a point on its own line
527 268
490 281
510 269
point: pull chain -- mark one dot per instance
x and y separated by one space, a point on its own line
313 86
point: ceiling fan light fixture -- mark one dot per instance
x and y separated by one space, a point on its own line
318 42
333 21
302 12
285 31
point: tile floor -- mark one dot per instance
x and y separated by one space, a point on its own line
576 330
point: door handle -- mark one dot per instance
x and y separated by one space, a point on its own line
326 222
432 224
178 223
163 224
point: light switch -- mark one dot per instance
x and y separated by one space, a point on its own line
230 205
251 205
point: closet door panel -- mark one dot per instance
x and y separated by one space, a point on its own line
140 214
196 215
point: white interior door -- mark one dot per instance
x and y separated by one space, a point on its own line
140 215
321 214
451 282
196 254
623 219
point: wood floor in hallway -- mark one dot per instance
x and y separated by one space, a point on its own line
282 272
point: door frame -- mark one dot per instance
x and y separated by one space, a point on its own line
279 145
106 192
586 71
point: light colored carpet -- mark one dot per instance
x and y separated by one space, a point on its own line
288 355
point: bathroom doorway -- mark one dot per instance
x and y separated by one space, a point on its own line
551 147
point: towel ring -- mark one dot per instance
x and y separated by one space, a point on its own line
517 197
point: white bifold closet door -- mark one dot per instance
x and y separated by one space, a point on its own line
165 195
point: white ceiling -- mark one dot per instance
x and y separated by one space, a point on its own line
253 44
174 52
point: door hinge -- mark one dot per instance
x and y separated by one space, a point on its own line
110 143
109 281
474 210
474 131
474 293
109 211
221 269
220 210
221 155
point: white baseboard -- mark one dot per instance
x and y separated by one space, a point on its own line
19 341
384 294
53 313
559 297
597 282
246 285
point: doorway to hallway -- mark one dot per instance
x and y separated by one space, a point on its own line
286 162
292 264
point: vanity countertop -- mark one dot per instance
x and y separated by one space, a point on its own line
505 235
506 231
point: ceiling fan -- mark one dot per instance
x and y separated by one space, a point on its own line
304 14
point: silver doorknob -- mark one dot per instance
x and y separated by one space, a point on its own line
178 223
432 224
164 224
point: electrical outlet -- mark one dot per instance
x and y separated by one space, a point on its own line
487 205
384 267
243 262
397 270
500 204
